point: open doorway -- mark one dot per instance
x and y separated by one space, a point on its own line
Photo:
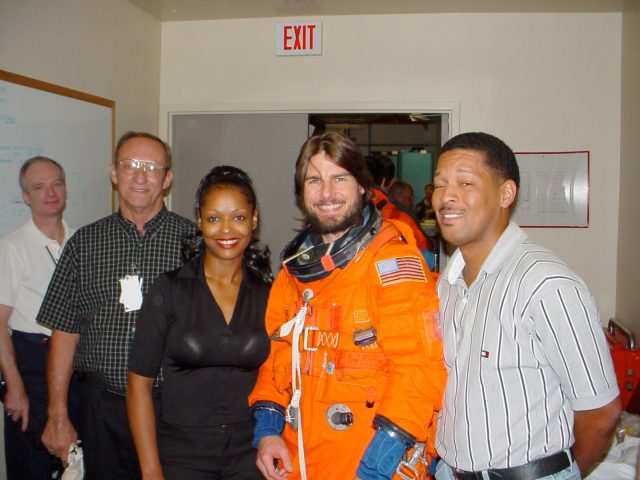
411 140
387 132
266 145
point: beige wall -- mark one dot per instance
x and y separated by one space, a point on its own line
108 48
628 293
542 82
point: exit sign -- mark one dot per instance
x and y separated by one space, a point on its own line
298 38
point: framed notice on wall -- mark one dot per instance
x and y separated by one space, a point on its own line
554 189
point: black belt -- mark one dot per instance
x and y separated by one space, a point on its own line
38 338
92 379
539 468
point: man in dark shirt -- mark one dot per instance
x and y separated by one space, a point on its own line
93 301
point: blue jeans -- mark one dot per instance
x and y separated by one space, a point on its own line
572 472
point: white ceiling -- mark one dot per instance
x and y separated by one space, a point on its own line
182 10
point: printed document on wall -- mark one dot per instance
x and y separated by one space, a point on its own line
554 190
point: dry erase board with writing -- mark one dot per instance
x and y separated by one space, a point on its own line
73 128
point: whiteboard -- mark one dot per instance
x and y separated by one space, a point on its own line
73 128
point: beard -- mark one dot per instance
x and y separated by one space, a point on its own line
333 225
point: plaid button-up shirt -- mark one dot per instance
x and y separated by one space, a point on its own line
84 293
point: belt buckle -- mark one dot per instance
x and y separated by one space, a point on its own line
464 475
305 339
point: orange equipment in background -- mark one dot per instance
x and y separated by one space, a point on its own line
626 359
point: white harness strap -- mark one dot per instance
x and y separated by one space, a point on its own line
294 416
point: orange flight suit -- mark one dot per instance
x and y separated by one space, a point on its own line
400 376
390 211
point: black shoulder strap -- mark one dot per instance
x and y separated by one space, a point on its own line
381 204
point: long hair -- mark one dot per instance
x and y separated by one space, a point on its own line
343 152
256 256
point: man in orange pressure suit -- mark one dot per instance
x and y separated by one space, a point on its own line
365 375
383 172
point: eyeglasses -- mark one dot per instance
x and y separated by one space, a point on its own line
131 165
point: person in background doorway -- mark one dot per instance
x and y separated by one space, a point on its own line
203 324
28 257
424 208
93 301
383 172
531 391
402 192
355 372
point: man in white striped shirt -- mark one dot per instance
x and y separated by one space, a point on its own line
531 391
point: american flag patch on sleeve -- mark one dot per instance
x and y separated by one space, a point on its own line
401 269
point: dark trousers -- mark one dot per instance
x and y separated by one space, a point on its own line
26 457
107 445
207 453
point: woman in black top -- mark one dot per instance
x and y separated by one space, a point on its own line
204 325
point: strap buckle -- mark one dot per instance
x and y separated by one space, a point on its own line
305 339
414 467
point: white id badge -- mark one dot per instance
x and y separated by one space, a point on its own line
131 293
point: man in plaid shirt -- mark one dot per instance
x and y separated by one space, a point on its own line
93 302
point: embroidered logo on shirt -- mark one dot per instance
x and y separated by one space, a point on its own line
401 269
484 354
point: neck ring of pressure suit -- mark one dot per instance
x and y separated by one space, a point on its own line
307 258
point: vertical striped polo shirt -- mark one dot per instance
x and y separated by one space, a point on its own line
524 348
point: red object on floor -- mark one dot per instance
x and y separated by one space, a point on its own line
626 359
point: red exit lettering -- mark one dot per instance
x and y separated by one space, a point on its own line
298 37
